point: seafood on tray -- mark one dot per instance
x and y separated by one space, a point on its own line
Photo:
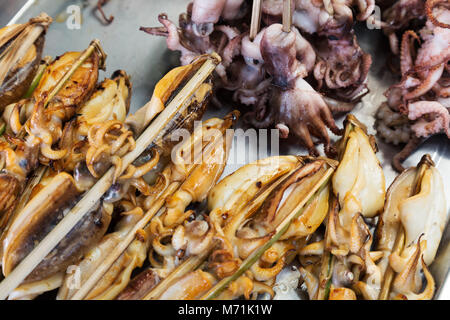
297 79
242 217
164 223
315 212
35 125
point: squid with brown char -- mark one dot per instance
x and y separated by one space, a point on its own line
176 234
38 217
298 201
358 195
245 232
101 118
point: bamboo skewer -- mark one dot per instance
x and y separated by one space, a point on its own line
27 265
256 18
287 16
115 254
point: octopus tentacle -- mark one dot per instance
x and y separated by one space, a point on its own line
429 6
252 119
303 132
406 60
173 39
433 76
412 144
336 106
329 121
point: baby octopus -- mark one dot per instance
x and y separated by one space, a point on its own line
294 104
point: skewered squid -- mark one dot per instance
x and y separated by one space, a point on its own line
331 57
243 223
110 102
173 222
64 86
263 172
358 195
21 47
58 192
408 235
198 252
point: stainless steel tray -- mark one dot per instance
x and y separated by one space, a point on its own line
146 59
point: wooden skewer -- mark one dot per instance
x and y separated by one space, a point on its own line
256 18
287 16
27 265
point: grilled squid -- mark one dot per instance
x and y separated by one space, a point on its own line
408 235
247 235
186 237
97 139
54 104
358 194
21 46
39 216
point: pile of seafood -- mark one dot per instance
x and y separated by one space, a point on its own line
296 80
165 224
283 77
417 107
